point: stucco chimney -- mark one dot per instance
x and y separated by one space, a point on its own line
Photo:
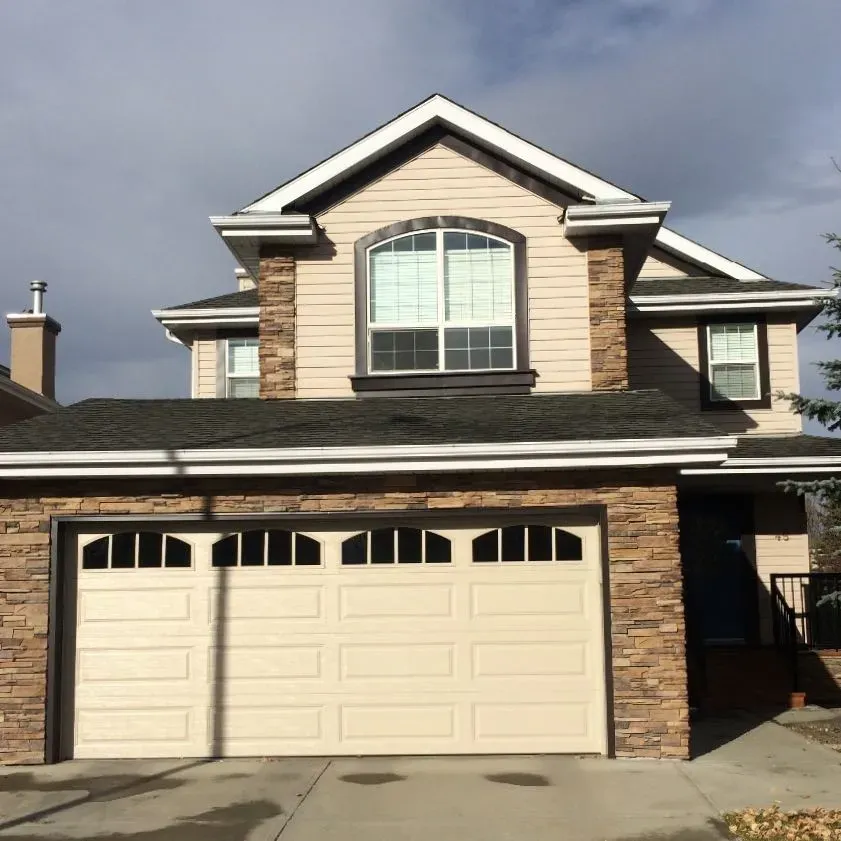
244 280
33 345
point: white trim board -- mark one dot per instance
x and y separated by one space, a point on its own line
358 460
437 109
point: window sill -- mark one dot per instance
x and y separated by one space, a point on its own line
455 383
735 405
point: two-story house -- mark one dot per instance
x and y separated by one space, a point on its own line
482 438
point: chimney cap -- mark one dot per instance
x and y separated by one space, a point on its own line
38 286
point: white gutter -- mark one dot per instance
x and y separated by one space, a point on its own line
786 464
210 317
709 297
408 458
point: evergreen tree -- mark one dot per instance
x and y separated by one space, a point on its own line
824 410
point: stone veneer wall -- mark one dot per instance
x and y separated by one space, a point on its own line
608 334
276 293
649 690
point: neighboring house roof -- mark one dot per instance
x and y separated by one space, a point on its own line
10 390
295 437
439 110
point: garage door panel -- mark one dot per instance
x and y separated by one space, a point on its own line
266 662
496 721
137 606
140 664
409 600
398 721
530 659
459 658
264 603
527 599
134 724
397 661
293 721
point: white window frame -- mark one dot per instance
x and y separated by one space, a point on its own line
711 364
229 375
441 324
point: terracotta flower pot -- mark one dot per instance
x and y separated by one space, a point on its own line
797 700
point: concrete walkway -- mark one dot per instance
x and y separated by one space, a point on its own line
433 799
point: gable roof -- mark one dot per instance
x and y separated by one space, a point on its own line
439 110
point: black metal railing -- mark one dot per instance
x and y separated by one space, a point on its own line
811 602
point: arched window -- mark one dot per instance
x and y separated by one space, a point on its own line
527 543
396 545
137 550
442 295
266 547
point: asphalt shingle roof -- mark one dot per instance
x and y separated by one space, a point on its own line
710 285
787 446
103 425
246 298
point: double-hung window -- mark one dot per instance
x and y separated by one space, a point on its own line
441 300
242 369
733 362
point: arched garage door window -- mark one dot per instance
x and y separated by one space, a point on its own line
266 547
527 543
396 545
137 550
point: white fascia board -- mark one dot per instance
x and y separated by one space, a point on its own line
787 461
684 247
186 319
263 220
718 442
584 227
753 471
426 465
715 297
313 460
439 108
436 108
208 312
625 209
722 307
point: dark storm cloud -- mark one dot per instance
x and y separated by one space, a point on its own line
124 125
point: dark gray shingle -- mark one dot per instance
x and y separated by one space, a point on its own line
209 424
247 298
787 446
711 285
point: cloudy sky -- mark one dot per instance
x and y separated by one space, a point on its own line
124 125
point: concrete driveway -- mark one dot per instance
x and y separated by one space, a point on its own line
558 798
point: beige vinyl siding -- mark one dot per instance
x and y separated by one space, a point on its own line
442 182
660 264
664 355
781 545
204 368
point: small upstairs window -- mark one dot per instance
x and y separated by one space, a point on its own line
242 368
734 360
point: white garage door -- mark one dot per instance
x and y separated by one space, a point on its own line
388 641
